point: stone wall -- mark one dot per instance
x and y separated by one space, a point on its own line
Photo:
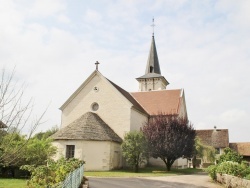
232 181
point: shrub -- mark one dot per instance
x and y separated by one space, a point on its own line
233 168
52 173
212 171
230 155
248 177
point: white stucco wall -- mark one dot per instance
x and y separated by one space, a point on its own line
182 108
98 155
179 163
114 108
137 120
151 84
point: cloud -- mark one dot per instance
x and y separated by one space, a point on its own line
46 8
203 47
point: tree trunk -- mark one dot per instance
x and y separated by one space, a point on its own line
136 168
169 165
194 161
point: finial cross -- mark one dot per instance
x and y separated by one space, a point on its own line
153 25
96 64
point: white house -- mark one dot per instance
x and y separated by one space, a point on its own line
99 113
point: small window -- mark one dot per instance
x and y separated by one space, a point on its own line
70 151
217 150
151 69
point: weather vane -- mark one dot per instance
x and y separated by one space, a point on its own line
153 25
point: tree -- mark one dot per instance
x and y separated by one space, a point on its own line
38 151
134 149
169 138
16 114
205 152
46 134
230 155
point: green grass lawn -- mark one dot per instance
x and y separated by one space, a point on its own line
12 183
149 171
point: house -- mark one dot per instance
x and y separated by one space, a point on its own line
96 117
242 148
218 138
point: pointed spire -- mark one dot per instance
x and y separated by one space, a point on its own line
153 65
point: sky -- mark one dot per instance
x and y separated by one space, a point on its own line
203 47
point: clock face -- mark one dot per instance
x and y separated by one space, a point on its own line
95 106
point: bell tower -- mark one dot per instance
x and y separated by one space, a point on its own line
152 80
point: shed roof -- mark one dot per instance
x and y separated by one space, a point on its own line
88 127
218 138
243 148
2 125
160 101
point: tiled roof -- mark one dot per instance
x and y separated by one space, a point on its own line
2 125
162 101
88 127
243 148
218 138
128 96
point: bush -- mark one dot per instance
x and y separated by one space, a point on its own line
230 155
212 171
232 168
52 173
248 177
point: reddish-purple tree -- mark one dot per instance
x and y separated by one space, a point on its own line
169 138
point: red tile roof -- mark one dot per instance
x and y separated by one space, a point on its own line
162 101
243 148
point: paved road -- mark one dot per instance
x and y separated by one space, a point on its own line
182 181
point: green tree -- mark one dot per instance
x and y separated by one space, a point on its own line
46 134
38 151
169 138
30 151
16 113
203 151
13 152
230 155
134 149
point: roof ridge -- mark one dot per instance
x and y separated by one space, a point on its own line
129 97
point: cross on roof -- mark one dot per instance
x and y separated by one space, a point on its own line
153 25
96 64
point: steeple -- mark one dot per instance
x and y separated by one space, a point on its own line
153 65
152 80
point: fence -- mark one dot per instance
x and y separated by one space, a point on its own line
74 179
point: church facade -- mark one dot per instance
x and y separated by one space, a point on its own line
99 113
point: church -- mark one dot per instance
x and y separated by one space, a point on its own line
96 117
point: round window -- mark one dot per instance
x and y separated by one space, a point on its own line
95 106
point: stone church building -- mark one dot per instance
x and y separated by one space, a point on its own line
99 113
